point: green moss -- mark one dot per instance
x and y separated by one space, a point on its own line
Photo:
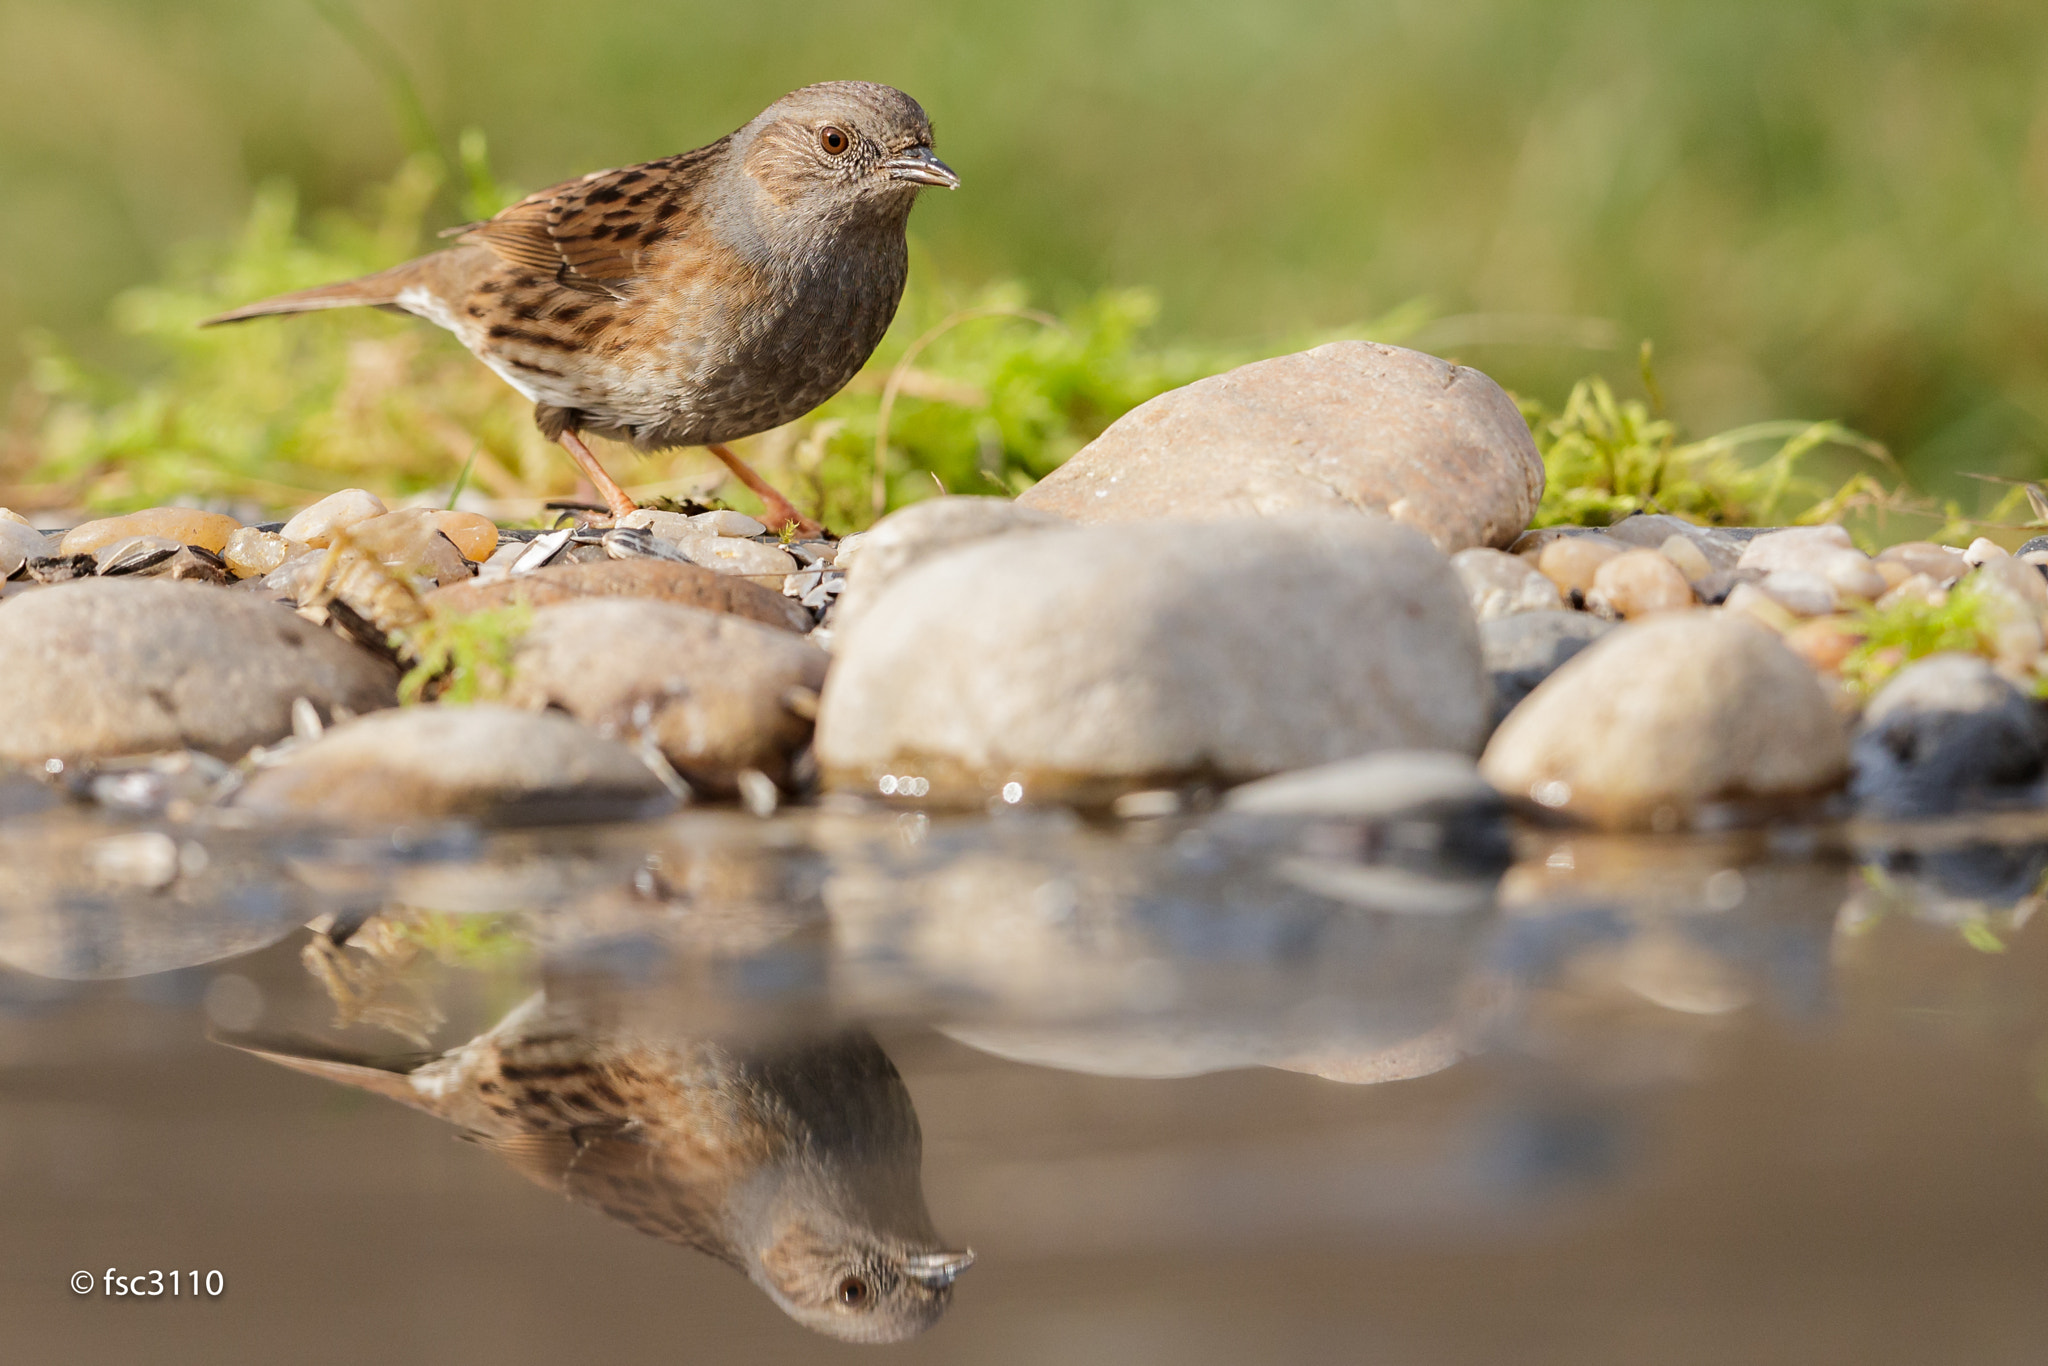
1964 620
462 657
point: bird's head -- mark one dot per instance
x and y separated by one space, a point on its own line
843 144
858 1288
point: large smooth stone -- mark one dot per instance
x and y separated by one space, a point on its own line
489 763
1945 732
885 551
687 585
1351 426
714 691
1075 665
1661 718
126 666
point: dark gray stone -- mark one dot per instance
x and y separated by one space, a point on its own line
1523 650
1947 732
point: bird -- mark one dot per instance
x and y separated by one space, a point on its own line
796 1161
689 301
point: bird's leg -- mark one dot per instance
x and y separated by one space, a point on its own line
607 488
779 514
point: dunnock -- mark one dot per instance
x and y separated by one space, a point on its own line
692 300
796 1163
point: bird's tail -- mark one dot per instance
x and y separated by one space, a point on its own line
389 1077
366 291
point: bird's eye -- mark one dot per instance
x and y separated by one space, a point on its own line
834 140
853 1291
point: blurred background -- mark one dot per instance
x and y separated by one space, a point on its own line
1817 209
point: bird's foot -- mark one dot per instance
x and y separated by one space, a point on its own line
777 511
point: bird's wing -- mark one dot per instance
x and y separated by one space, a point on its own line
646 1185
592 234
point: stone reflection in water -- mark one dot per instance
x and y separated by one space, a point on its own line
794 1161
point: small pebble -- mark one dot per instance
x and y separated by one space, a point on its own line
1983 550
1893 572
413 544
1570 562
474 534
1638 583
1690 559
734 555
10 515
726 522
1918 588
669 526
1796 547
1824 642
186 526
1801 593
1500 585
1752 601
1938 563
250 553
317 524
18 545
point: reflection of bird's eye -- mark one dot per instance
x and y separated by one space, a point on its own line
853 1291
834 141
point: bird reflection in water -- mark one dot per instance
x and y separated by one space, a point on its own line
796 1162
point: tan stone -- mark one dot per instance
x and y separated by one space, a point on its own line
474 534
1347 427
1660 718
411 544
1571 562
1824 642
1638 583
1939 563
209 530
718 694
663 580
317 524
1687 556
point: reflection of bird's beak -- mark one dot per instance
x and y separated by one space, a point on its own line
937 1270
920 167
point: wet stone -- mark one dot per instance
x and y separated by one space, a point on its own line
186 526
317 524
495 764
1082 663
1348 427
713 691
661 580
1499 584
127 666
1665 717
1945 733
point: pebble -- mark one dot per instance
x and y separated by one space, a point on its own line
496 764
1942 565
1984 550
317 524
1720 547
1081 663
726 522
412 544
661 580
1637 583
472 533
1499 584
134 666
187 526
1918 588
1572 562
18 545
1751 601
669 526
909 536
1522 650
1661 718
1687 557
1824 642
1345 427
9 515
732 555
1945 732
710 689
250 554
1825 552
1801 593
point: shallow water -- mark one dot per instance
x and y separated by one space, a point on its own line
1196 1089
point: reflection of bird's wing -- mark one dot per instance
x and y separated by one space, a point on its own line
593 234
649 1186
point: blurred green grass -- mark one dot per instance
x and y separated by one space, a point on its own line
1824 210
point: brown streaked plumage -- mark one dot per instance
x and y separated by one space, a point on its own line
796 1163
689 301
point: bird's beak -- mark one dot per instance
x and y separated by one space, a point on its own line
937 1270
920 167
